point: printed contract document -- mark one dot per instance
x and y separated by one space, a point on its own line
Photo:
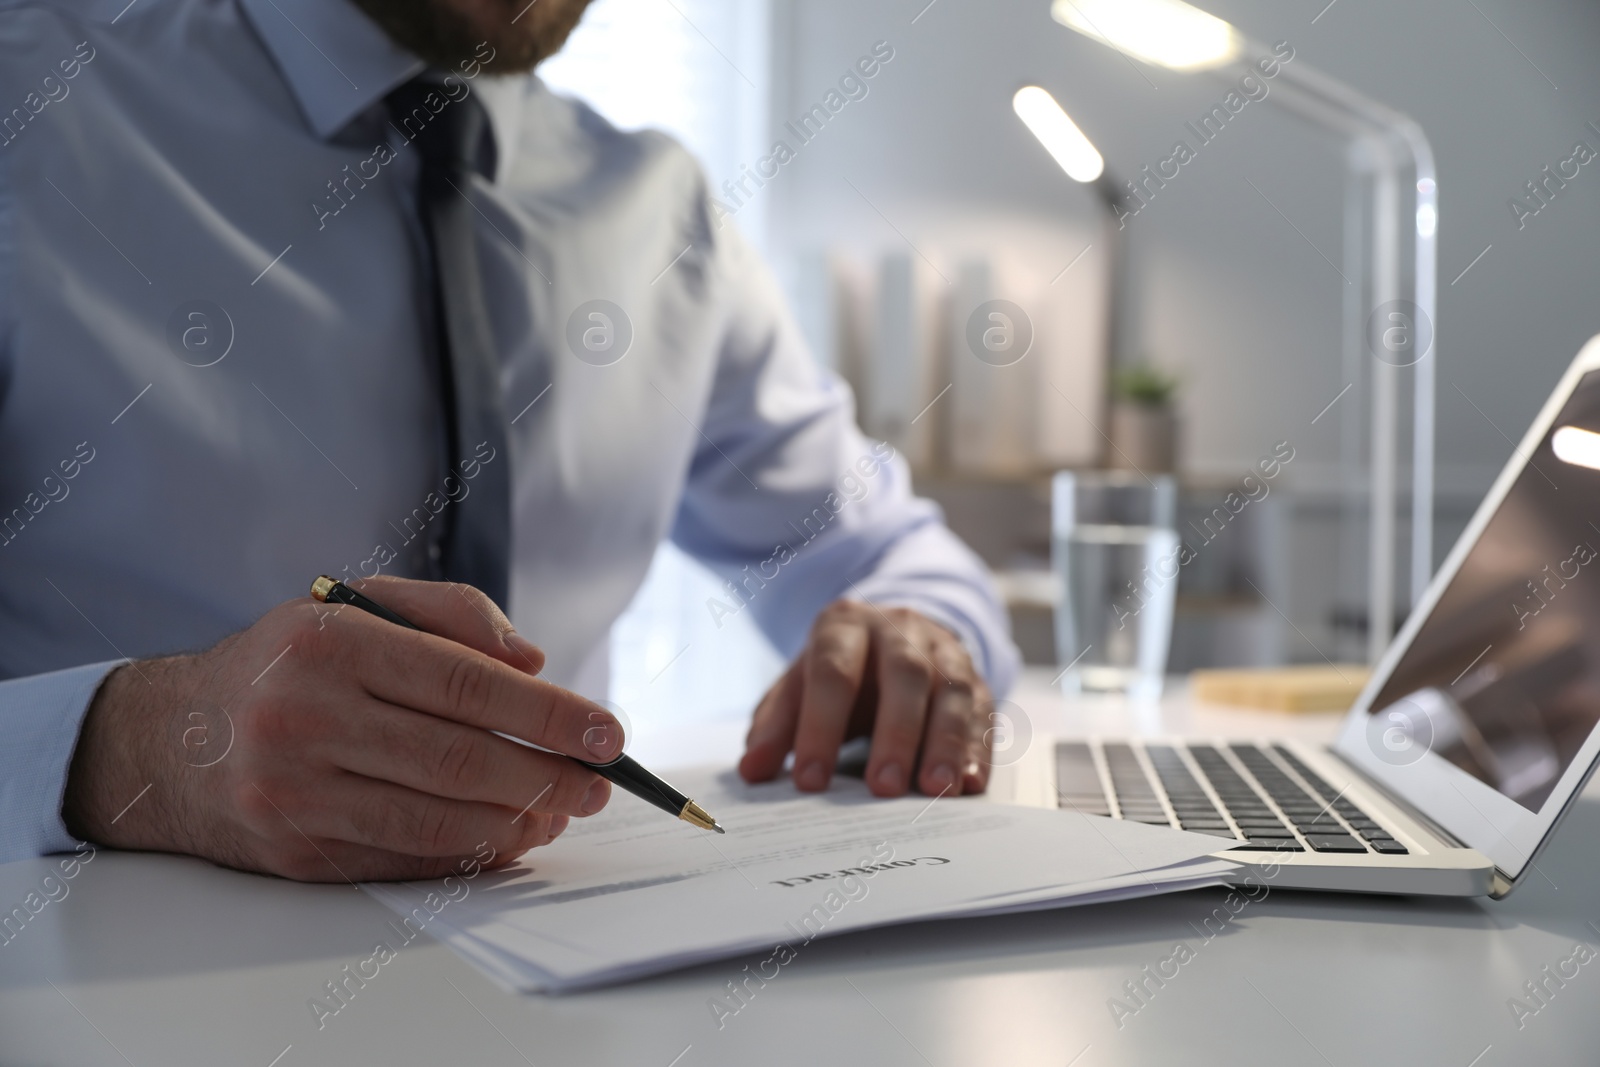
629 892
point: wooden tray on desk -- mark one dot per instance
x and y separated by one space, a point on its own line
1307 688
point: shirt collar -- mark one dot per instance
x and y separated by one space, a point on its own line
339 63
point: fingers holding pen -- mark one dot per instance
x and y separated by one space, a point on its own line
447 759
440 677
459 612
302 835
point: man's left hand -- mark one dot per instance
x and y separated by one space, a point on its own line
888 672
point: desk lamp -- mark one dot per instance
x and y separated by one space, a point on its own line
1389 306
1077 156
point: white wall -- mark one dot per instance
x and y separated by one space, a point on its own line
696 69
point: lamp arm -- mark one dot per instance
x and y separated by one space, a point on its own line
1111 199
1401 147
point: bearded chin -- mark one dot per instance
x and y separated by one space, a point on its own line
442 35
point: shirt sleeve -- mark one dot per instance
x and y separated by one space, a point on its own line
794 507
41 715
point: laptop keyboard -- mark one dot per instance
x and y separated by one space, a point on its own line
1266 807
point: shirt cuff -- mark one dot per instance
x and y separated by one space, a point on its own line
42 715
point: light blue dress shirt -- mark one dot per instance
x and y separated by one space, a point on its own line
216 378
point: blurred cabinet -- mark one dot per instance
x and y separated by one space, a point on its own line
970 365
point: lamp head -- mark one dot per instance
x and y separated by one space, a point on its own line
1168 33
1058 133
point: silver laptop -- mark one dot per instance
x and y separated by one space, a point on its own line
1471 741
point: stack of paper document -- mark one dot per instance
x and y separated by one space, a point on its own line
632 892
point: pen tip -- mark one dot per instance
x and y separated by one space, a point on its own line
718 828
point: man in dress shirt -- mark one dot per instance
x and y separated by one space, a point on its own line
220 375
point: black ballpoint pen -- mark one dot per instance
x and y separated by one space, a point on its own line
624 771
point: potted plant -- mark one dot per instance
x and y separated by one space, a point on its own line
1144 420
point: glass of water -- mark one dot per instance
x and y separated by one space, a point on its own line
1116 556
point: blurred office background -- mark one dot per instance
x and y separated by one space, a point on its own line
927 195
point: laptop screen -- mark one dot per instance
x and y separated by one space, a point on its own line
1503 678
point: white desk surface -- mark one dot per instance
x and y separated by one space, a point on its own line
155 960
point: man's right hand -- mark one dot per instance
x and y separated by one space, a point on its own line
325 744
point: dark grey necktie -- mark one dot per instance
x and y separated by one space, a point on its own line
453 137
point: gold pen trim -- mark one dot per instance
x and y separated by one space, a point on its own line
695 815
322 587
